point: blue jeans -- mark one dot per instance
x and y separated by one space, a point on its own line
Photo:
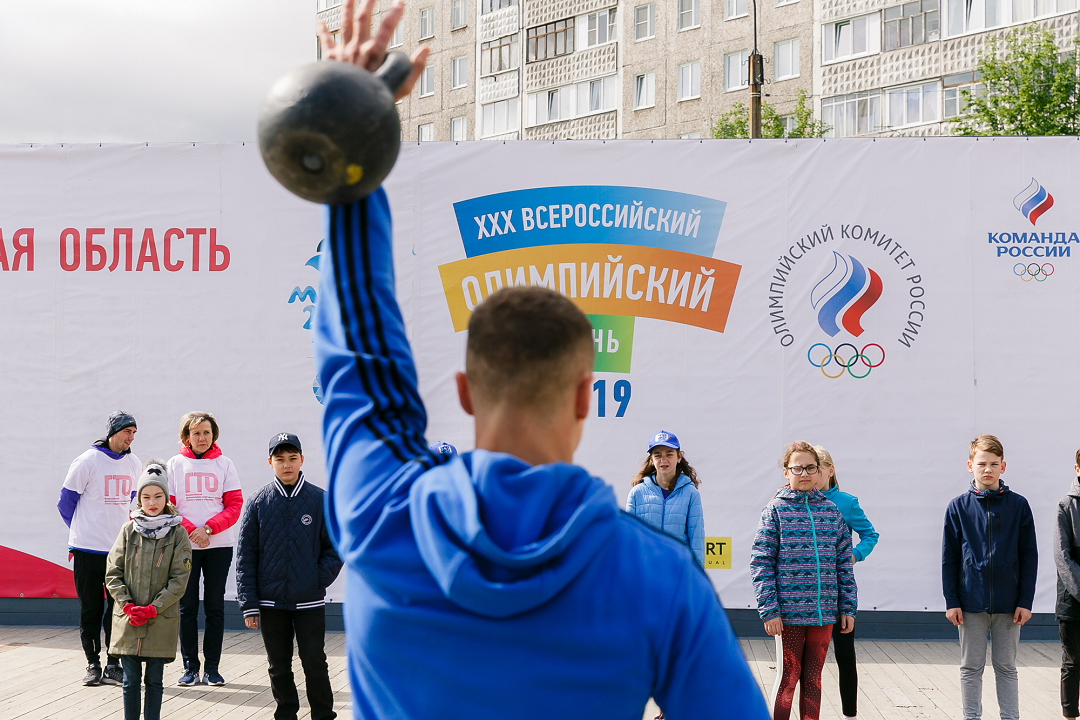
133 678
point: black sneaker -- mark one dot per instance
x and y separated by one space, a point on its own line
213 678
93 675
189 678
112 674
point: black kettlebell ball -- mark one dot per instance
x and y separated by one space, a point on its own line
329 131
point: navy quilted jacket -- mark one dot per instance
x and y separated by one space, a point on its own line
285 559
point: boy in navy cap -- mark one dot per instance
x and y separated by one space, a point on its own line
285 562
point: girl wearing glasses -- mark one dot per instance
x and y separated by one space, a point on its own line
800 565
844 643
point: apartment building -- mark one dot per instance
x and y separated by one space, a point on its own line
605 69
592 69
898 68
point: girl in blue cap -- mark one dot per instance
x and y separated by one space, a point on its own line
664 493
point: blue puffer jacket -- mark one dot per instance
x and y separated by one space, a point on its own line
284 559
678 514
989 554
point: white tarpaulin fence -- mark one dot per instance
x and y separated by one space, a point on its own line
888 299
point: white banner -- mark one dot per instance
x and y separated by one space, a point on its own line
888 299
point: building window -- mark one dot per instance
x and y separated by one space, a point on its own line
601 27
851 38
458 16
397 39
572 101
788 123
912 23
644 91
457 129
690 136
327 4
734 9
427 82
458 70
644 22
954 103
1025 10
689 81
500 55
488 5
849 115
426 132
736 71
786 59
500 117
551 40
427 23
785 2
690 14
963 16
914 104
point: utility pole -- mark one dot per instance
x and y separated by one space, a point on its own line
757 79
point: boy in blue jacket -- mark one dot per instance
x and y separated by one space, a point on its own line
284 563
989 561
498 583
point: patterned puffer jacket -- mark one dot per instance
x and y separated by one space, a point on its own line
801 560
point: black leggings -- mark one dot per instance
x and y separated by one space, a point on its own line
844 649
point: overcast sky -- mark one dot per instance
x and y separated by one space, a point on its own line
148 71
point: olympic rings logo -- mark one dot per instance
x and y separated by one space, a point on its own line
853 364
1033 271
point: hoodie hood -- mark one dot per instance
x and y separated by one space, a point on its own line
1074 491
500 536
1002 489
786 493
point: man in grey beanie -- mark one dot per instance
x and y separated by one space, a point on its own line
94 504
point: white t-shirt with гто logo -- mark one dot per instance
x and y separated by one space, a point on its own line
198 486
104 486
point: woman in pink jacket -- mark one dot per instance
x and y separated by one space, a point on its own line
204 487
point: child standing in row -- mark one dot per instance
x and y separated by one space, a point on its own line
802 542
988 528
1067 611
844 642
147 572
664 494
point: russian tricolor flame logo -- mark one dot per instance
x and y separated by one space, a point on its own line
845 294
1034 201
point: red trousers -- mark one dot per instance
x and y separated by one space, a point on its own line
800 655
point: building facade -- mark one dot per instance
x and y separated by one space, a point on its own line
606 69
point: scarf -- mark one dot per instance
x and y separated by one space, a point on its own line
155 527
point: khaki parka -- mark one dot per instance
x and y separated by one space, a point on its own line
145 571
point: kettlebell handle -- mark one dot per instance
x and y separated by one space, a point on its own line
395 69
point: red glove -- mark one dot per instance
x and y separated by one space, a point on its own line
149 612
135 615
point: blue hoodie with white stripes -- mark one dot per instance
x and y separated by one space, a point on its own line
480 586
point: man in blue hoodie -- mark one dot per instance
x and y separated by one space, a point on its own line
989 560
504 582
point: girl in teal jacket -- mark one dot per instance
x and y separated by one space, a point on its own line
664 494
844 644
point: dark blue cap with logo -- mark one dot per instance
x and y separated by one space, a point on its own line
285 438
664 439
443 448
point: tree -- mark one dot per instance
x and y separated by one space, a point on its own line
735 123
1029 87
